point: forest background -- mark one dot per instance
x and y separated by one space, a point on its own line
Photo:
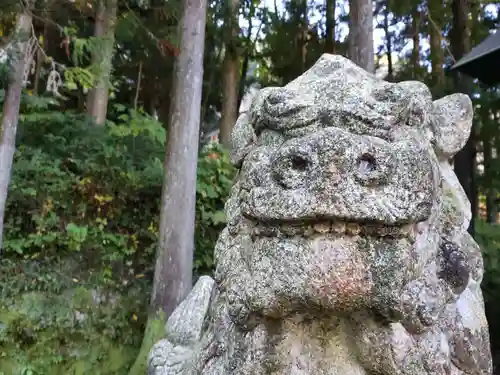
82 213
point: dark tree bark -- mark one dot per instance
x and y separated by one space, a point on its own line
489 143
230 76
244 71
19 59
173 273
388 44
246 59
330 26
415 52
491 193
174 260
105 24
298 15
435 24
303 34
40 55
361 34
465 160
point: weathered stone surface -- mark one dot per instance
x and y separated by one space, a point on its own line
346 251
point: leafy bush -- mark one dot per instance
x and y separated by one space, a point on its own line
82 215
94 192
488 237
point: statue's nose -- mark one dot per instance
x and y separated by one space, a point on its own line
295 168
373 168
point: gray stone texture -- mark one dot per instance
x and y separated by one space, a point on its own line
346 250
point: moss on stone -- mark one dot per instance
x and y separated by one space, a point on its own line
154 332
64 334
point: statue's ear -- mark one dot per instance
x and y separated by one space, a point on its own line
451 124
242 139
243 136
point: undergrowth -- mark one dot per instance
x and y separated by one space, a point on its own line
81 223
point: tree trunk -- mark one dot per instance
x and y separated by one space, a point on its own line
360 49
298 57
104 32
388 37
246 60
415 53
435 12
330 26
138 86
40 55
175 251
10 117
465 160
243 75
231 68
491 192
174 262
303 34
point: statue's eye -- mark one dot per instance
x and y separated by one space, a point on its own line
299 163
367 164
274 98
294 168
371 170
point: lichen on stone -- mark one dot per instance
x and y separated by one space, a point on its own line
346 251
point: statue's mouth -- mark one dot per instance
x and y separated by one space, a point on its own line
309 228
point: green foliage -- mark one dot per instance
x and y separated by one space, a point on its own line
67 332
78 188
152 334
214 182
4 72
82 214
134 123
488 237
76 76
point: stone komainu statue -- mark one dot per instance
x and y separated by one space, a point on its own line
346 250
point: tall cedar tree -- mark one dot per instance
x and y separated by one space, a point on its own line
361 50
230 74
102 55
464 161
18 60
174 262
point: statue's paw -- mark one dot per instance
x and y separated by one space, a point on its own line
167 359
185 325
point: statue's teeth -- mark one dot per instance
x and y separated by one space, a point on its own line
390 231
367 229
325 227
309 231
290 230
353 229
322 227
382 231
338 227
263 231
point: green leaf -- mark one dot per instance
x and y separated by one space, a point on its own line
219 217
